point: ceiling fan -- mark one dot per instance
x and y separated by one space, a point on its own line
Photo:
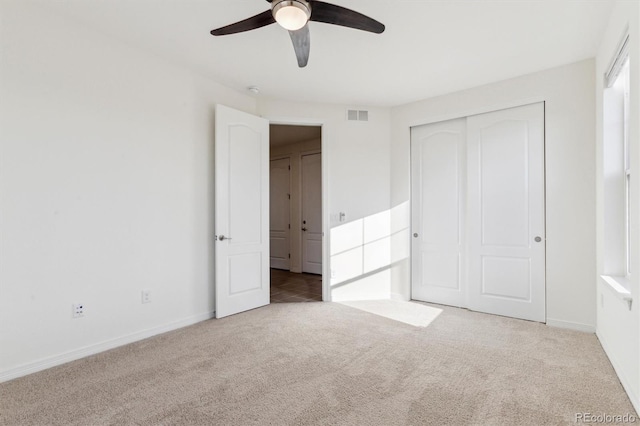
293 15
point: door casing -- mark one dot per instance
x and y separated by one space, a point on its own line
324 152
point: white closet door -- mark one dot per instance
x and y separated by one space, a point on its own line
438 169
506 248
279 207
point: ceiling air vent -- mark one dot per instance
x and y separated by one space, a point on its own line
356 115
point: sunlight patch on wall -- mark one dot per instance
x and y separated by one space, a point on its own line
400 232
361 257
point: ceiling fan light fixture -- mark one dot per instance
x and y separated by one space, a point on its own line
291 14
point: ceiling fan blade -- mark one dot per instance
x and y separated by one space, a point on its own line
338 15
261 20
301 44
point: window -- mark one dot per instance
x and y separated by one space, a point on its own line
617 166
623 81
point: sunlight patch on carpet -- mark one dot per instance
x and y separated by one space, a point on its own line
410 313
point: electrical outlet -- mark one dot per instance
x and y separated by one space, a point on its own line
77 310
146 296
333 273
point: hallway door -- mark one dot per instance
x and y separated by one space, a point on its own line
279 207
312 214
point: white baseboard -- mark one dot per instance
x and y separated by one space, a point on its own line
635 399
399 296
75 354
571 325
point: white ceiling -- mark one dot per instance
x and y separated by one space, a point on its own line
430 47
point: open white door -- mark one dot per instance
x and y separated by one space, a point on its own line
241 211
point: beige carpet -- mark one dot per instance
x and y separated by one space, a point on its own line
329 364
412 313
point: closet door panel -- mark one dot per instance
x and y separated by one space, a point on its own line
506 248
438 187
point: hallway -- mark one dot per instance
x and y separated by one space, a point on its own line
287 287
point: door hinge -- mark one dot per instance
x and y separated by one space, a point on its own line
289 226
289 255
289 196
289 167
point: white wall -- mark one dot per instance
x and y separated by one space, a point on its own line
355 159
105 189
570 179
618 328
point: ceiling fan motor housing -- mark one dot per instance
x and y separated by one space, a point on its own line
291 14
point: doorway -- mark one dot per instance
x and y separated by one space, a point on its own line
478 212
295 232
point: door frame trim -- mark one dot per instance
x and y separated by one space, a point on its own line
324 157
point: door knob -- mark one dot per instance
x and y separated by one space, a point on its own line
222 238
415 235
304 229
537 239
